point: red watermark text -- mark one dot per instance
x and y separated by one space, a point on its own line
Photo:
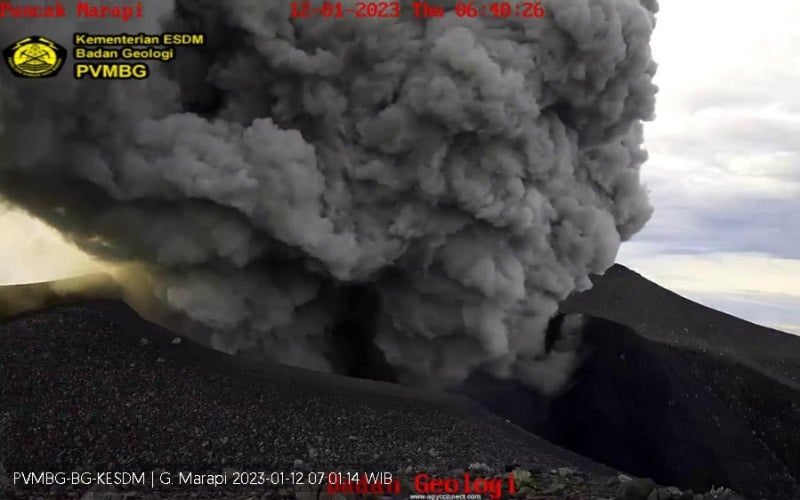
426 486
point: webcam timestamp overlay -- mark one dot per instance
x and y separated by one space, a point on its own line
379 10
374 10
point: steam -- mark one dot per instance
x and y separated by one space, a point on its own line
469 173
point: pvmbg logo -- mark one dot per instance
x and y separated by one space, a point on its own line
35 57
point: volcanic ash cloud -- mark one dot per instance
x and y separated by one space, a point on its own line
468 173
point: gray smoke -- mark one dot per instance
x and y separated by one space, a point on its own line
468 174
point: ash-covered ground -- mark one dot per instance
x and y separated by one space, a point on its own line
85 390
93 388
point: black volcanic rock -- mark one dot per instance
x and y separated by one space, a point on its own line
656 313
671 390
81 389
679 416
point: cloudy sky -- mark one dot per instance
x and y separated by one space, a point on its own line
724 170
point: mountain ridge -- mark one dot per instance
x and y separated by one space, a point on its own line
684 323
671 389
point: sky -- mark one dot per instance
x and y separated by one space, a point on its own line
724 167
723 173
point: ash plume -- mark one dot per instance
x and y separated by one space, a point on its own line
316 191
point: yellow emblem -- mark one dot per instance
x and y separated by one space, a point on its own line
35 57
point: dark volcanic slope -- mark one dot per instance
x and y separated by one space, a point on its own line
16 299
625 297
680 392
680 416
671 390
80 389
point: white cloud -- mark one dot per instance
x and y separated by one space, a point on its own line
724 169
718 271
757 287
